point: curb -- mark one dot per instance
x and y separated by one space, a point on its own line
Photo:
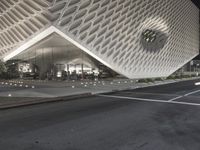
144 86
45 100
83 95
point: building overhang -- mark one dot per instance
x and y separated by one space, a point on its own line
51 30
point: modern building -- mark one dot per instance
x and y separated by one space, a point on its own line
134 38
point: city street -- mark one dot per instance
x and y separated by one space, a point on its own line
165 117
99 75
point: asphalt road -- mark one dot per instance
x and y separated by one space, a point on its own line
164 117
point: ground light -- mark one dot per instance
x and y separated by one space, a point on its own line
197 83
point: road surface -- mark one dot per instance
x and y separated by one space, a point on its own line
165 117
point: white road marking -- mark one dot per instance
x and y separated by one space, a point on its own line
192 93
133 98
173 99
188 94
145 93
150 100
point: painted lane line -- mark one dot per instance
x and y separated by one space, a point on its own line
184 95
132 98
192 93
173 99
150 100
161 94
177 97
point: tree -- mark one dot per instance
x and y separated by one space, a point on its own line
3 68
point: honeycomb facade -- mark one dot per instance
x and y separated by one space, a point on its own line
109 30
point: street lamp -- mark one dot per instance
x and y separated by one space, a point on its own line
197 69
191 64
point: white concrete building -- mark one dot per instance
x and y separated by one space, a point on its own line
135 38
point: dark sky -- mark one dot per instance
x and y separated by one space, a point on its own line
197 2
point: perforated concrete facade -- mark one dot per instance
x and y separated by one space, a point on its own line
109 30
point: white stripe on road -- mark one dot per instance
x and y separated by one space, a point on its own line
173 99
150 100
146 93
192 93
133 98
188 94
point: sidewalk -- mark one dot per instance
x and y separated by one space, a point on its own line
21 93
13 102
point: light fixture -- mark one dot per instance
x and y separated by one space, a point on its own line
149 36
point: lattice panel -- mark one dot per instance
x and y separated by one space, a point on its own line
20 20
111 30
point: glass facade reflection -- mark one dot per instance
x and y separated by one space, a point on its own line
55 58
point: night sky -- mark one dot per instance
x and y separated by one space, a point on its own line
197 2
